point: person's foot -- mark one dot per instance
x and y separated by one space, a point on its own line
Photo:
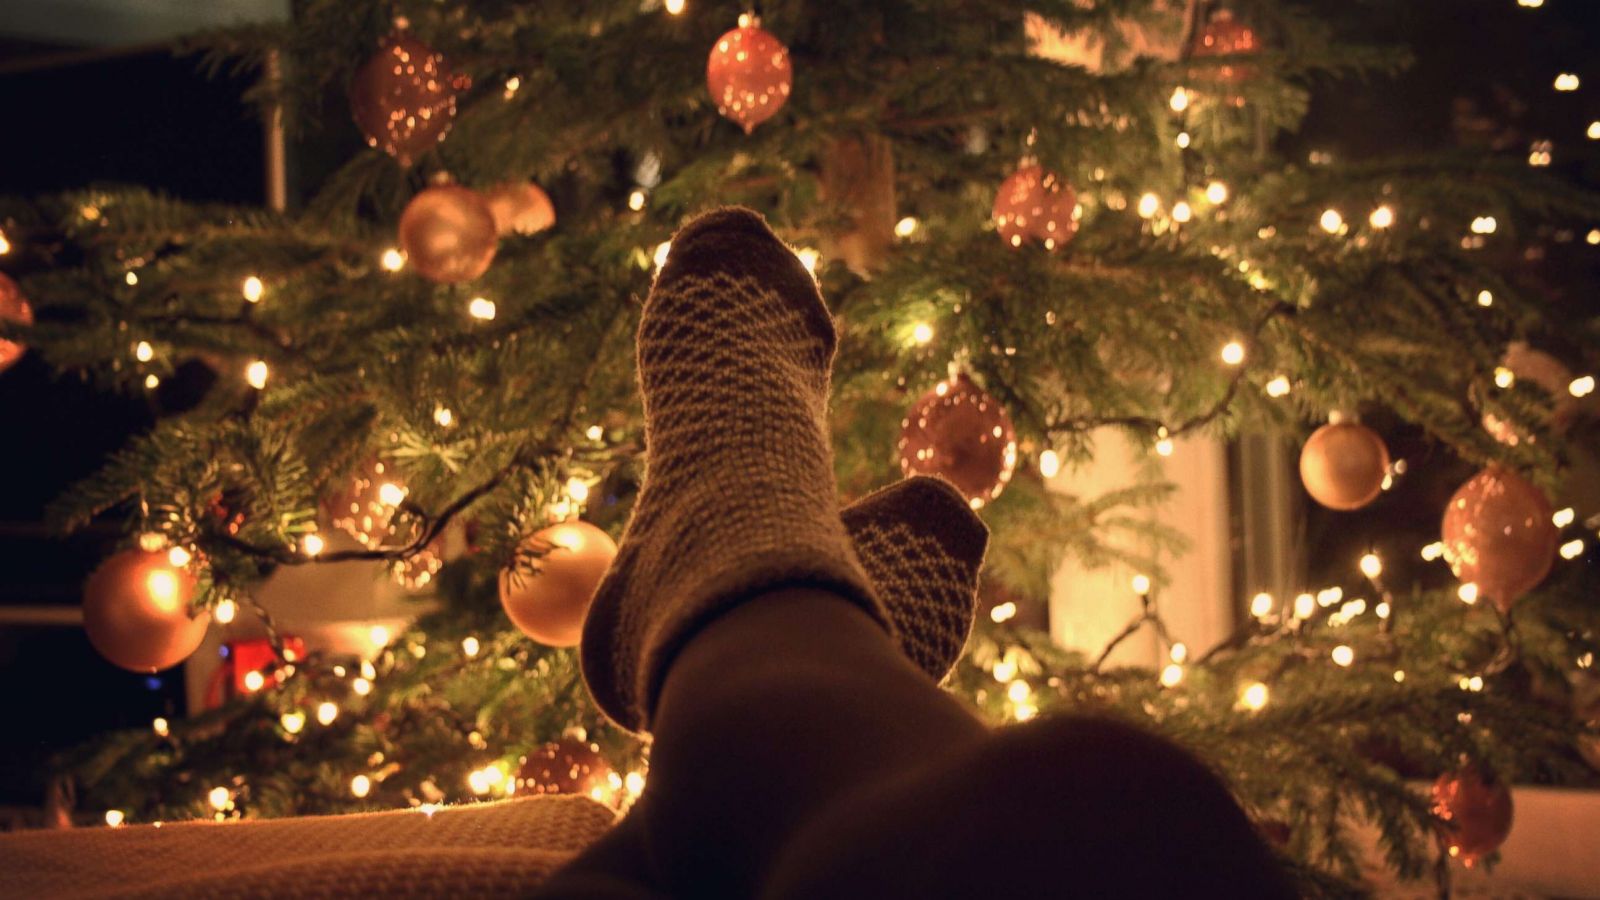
735 347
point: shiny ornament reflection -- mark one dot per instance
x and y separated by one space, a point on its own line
448 234
136 611
962 434
1498 535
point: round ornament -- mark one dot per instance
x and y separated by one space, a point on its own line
1342 465
368 509
1224 35
1476 813
13 309
1035 205
404 97
1544 370
136 611
448 233
567 766
962 434
549 604
1497 534
749 74
520 207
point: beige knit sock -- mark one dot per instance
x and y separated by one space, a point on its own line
922 546
735 347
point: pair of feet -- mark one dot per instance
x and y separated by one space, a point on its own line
735 351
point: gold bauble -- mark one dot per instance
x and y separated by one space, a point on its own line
1343 465
1498 534
14 309
520 207
549 604
136 612
448 233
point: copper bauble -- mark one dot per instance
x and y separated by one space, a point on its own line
1476 813
1035 205
549 604
962 434
136 611
567 766
448 233
1343 465
368 509
1498 535
749 75
1226 36
13 309
520 207
1544 370
404 97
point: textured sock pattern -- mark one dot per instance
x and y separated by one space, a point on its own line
922 546
734 351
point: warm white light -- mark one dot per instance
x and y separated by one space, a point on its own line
327 711
478 781
513 84
392 260
160 726
481 308
1343 655
1149 205
1003 612
1164 447
1331 221
1171 674
361 786
1572 549
143 352
1304 606
906 227
254 681
1254 697
1141 584
1468 593
1183 140
1025 711
1261 605
809 258
633 782
1179 100
1005 669
1582 386
115 818
443 417
1485 298
1371 565
1049 463
594 433
361 686
1504 377
131 278
220 797
1330 596
1181 212
152 381
391 494
1382 217
1233 353
1593 237
1217 192
179 557
577 489
1484 225
1018 691
662 250
253 289
1567 81
1594 131
378 636
470 646
1433 551
293 722
1531 4
1563 517
312 544
1278 387
1382 609
1179 652
675 7
636 200
5 245
921 334
256 374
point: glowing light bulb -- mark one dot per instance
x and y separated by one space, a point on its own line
470 646
1261 605
1485 225
478 781
443 417
1254 697
1433 551
293 722
1594 131
577 489
1164 447
1567 82
391 494
1217 192
1331 221
161 727
513 84
906 227
1504 377
1141 584
809 258
143 352
1572 549
131 278
1278 387
674 7
1149 205
1381 218
1003 612
392 260
481 308
1179 652
1468 592
256 374
921 334
253 289
1181 212
1005 669
152 381
361 686
327 711
1049 463
1582 386
633 783
1304 606
662 251
220 798
1179 101
1171 675
5 245
1343 655
1018 691
360 786
312 545
254 681
1486 298
1371 565
378 636
1184 140
1025 711
1233 353
179 557
1382 609
115 818
636 200
1563 517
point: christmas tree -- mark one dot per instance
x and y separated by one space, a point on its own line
1036 221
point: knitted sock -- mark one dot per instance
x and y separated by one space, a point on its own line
922 546
734 352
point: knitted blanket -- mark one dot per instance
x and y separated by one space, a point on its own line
481 850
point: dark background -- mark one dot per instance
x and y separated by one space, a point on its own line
149 118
